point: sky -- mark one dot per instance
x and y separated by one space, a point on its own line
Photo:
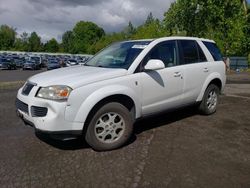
51 18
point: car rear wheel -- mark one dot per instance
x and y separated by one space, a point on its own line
210 100
110 127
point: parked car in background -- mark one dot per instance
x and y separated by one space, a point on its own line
82 60
7 64
31 65
20 62
71 62
37 60
53 64
0 62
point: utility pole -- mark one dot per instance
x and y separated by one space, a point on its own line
244 3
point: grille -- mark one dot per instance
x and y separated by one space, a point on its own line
38 111
22 106
27 88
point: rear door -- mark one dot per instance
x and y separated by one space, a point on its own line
195 69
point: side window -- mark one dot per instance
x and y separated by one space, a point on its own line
165 51
202 57
214 50
188 51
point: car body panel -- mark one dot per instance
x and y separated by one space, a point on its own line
76 76
161 89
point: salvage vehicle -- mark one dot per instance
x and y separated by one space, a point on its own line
129 80
31 65
53 64
71 62
7 64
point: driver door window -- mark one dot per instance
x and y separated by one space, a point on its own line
165 51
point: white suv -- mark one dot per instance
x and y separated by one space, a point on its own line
126 81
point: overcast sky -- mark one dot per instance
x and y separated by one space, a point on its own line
51 18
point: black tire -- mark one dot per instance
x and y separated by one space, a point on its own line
204 107
91 136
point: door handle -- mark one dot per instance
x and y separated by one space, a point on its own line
205 70
177 74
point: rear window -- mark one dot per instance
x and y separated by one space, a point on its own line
189 51
214 50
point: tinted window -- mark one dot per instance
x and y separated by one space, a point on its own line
202 57
188 51
165 51
214 50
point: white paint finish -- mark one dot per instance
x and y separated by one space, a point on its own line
194 77
154 64
151 91
217 71
54 121
161 89
76 76
84 99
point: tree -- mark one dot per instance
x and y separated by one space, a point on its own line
106 40
7 37
25 39
129 31
19 45
84 35
152 29
149 19
224 22
67 41
34 42
51 46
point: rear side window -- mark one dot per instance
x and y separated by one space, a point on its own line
214 50
190 52
202 57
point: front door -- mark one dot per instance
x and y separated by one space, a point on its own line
162 89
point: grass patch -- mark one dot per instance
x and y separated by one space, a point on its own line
10 85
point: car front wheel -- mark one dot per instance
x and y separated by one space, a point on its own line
110 127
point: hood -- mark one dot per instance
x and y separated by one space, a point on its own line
76 76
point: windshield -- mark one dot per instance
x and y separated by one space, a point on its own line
118 55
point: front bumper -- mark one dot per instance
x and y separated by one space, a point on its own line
60 135
53 121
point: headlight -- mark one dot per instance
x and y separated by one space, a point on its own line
54 92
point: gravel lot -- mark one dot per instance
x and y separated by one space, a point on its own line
179 149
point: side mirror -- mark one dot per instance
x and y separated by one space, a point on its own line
154 64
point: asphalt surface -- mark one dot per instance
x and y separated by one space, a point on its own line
17 75
178 149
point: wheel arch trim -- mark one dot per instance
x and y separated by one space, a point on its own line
105 92
209 80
